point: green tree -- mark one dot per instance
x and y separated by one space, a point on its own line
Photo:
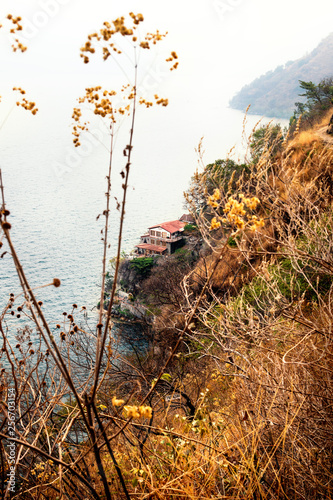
319 98
318 94
142 266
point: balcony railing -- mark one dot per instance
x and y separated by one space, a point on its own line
159 238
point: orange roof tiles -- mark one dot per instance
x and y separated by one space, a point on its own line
153 248
171 226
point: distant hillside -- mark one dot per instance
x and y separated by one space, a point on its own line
275 93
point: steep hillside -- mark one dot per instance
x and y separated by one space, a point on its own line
275 93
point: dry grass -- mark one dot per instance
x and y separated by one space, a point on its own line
262 426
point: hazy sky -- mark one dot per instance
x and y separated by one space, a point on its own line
222 44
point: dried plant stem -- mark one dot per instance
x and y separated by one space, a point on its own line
66 466
113 458
106 228
103 337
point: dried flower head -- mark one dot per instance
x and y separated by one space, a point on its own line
138 412
24 103
215 224
117 402
236 212
15 27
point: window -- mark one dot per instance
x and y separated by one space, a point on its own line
152 242
158 234
152 233
164 235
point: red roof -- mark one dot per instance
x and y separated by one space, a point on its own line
172 226
153 248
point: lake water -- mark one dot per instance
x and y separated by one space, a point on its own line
55 192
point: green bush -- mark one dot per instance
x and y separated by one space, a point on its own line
142 266
190 228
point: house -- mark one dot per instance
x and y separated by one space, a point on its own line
161 239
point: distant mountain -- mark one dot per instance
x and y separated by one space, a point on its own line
275 93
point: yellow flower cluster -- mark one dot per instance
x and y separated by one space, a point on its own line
235 211
117 402
155 37
28 105
251 203
102 106
233 208
108 30
77 128
138 18
212 200
148 104
16 23
88 47
19 46
107 53
160 100
16 26
138 411
215 224
76 114
119 26
171 59
39 470
18 89
256 223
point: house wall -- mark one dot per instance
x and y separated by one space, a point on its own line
157 241
163 233
158 236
